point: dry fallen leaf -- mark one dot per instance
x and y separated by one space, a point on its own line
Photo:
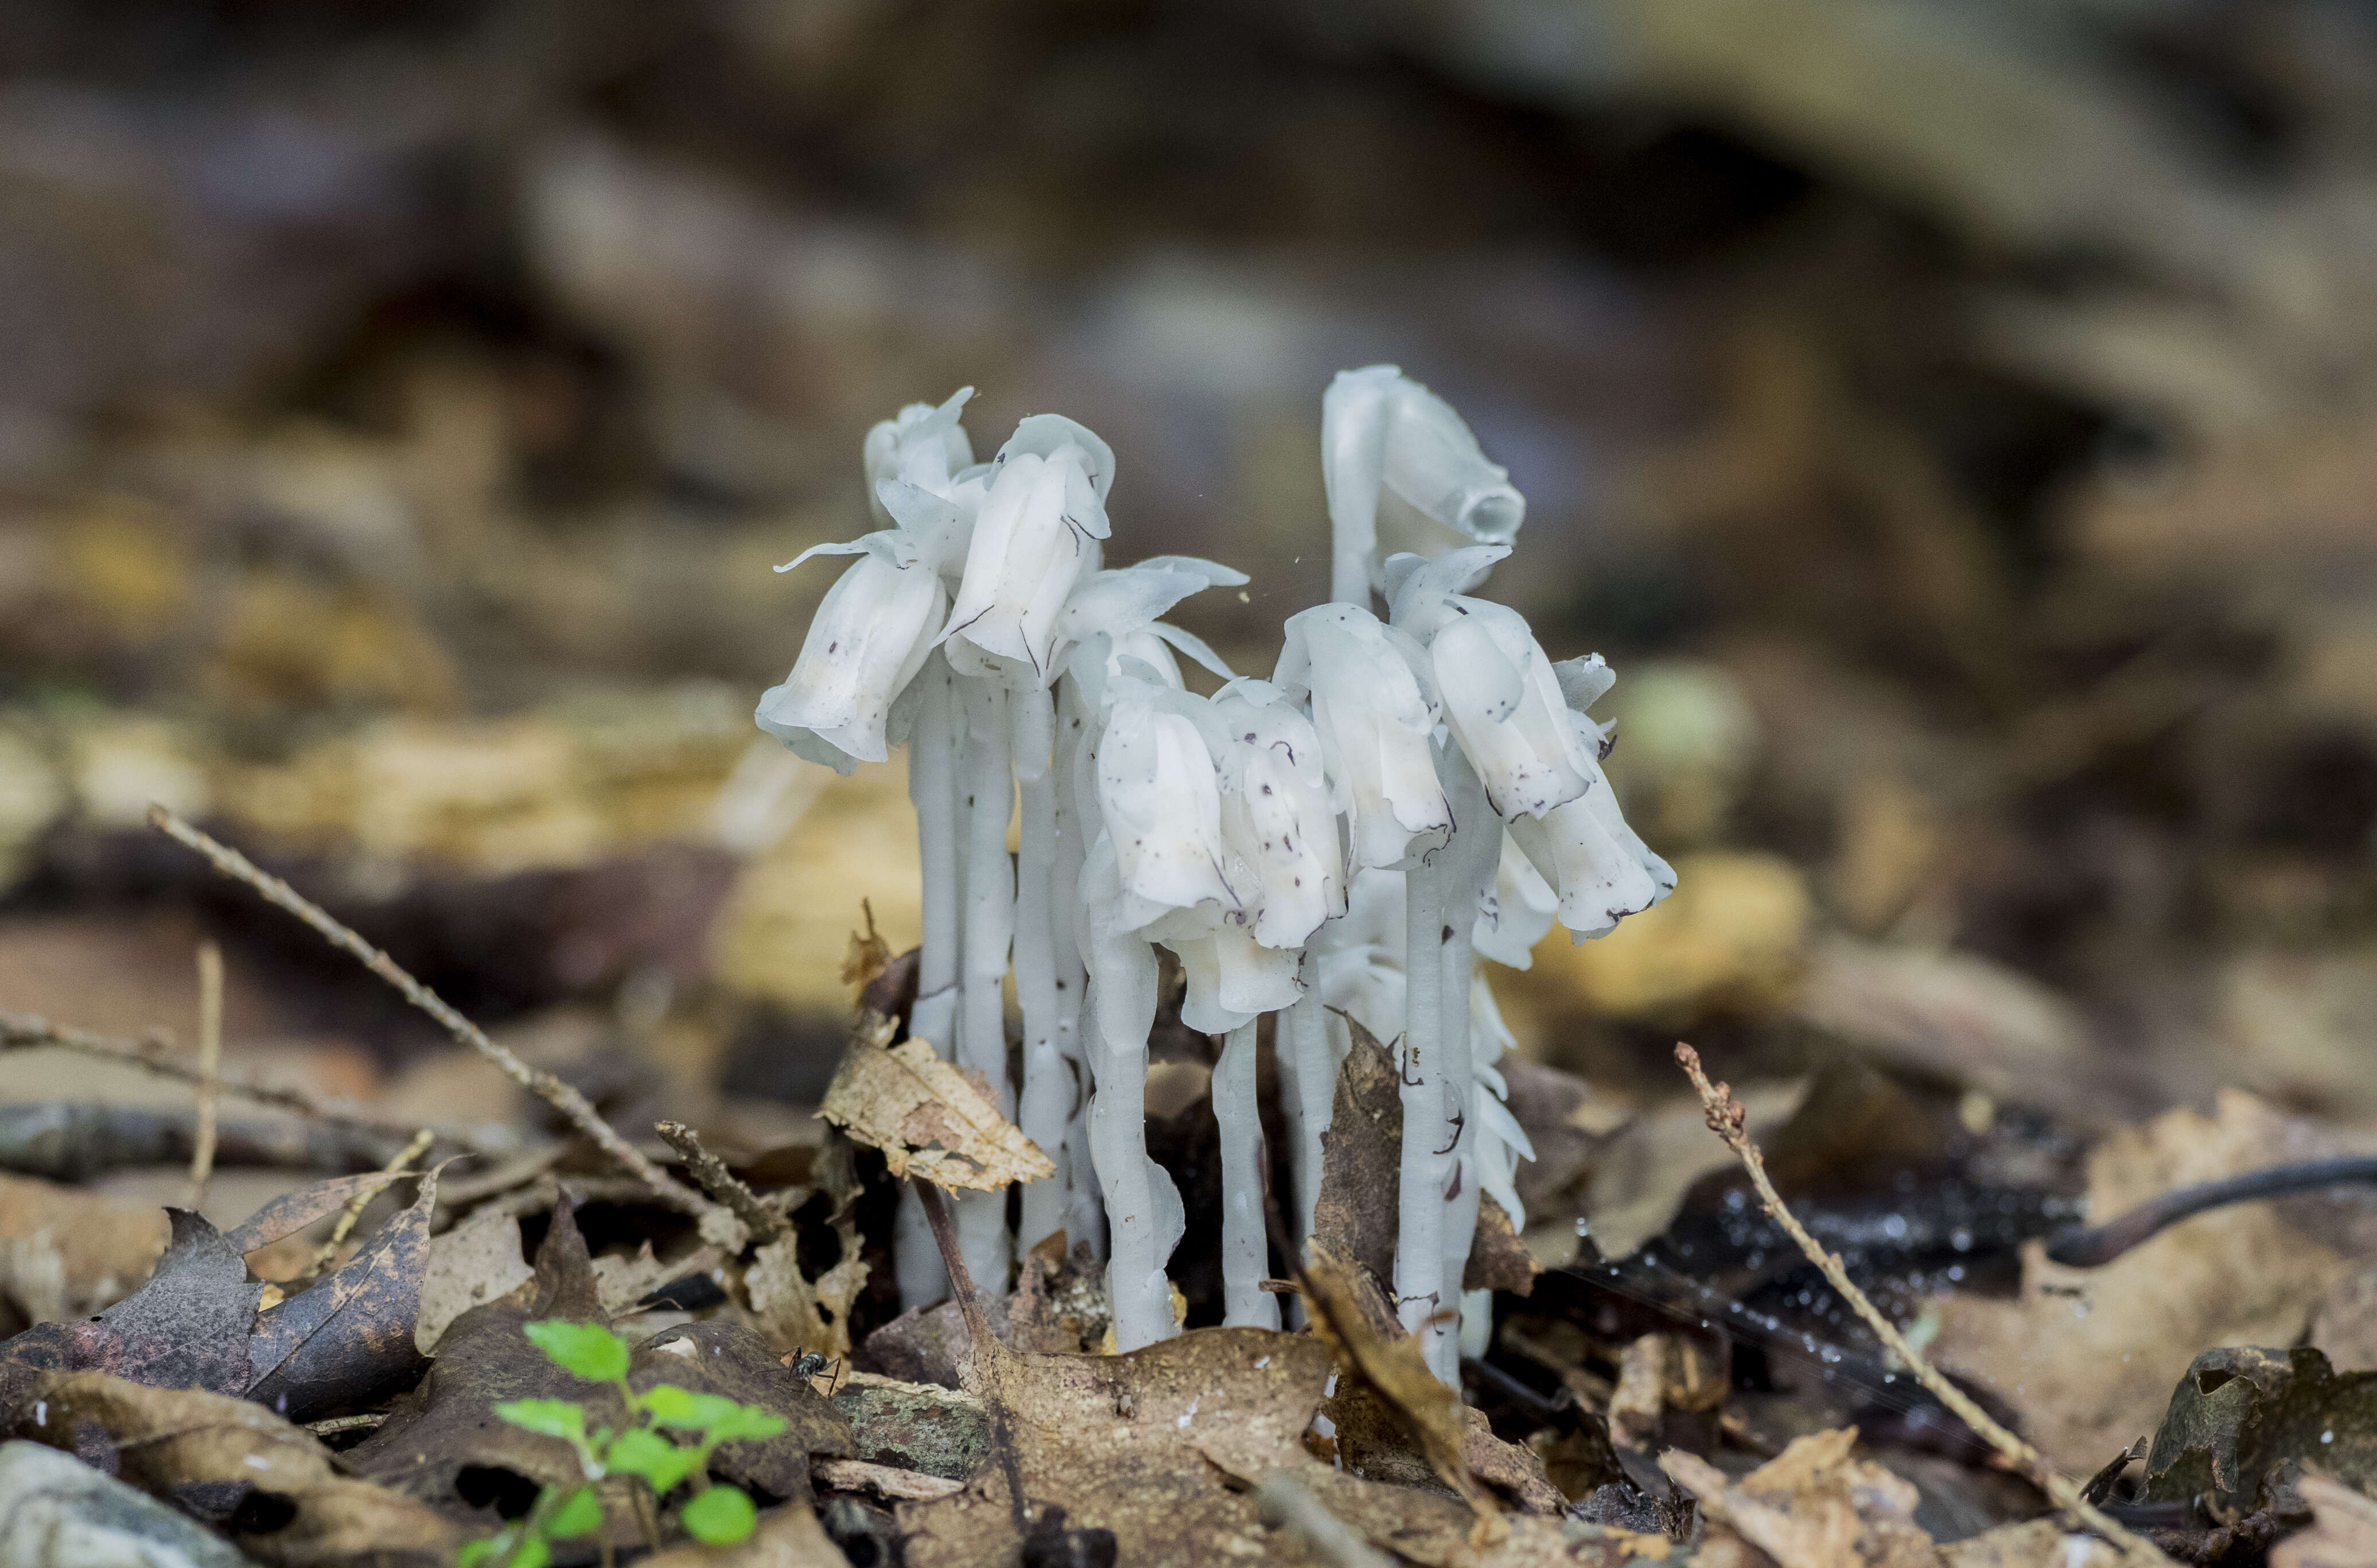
2089 1357
2343 1532
929 1117
2037 1543
65 1253
477 1261
271 1486
789 1536
1352 1318
1814 1506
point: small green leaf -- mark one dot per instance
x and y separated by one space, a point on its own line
719 1516
661 1462
474 1552
581 1514
585 1350
534 1552
745 1421
685 1410
553 1418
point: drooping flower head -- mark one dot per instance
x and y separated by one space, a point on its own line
876 624
1385 438
1374 709
1037 533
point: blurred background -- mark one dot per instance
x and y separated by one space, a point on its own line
1956 423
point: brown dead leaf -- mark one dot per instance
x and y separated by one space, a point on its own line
445 1425
2343 1532
477 1261
1640 1177
1814 1506
348 1340
293 1212
1656 1373
2089 1357
1352 1318
1497 1259
272 1487
929 1117
1361 1157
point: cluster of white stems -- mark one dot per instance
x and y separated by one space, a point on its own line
1403 797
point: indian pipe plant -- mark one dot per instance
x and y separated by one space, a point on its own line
1406 797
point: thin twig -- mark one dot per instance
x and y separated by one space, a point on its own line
765 1224
2098 1245
986 1349
354 1212
1725 1119
25 1031
202 1140
369 1421
544 1085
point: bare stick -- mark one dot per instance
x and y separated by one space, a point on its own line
202 1141
1725 1119
25 1031
765 1224
544 1085
355 1206
2089 1248
986 1349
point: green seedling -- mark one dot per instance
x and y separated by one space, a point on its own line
645 1447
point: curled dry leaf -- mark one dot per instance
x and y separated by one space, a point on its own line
2343 1532
929 1119
1813 1505
1351 1316
270 1486
349 1339
293 1212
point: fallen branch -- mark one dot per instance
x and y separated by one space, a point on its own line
25 1031
764 1223
572 1104
1725 1119
79 1141
2098 1245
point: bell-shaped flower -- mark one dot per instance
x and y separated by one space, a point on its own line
924 446
1515 913
1374 714
1034 536
1275 811
1384 437
1502 700
1600 868
1123 606
870 637
1160 800
1232 978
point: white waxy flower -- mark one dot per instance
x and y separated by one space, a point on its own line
1231 977
1375 717
1122 605
1034 536
1601 869
1275 811
1385 437
1502 700
1160 800
876 625
1516 912
870 635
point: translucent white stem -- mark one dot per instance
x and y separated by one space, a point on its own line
933 789
1142 1228
989 926
1427 1150
1085 1217
1305 1027
1085 1212
1245 1303
1047 1099
1469 862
